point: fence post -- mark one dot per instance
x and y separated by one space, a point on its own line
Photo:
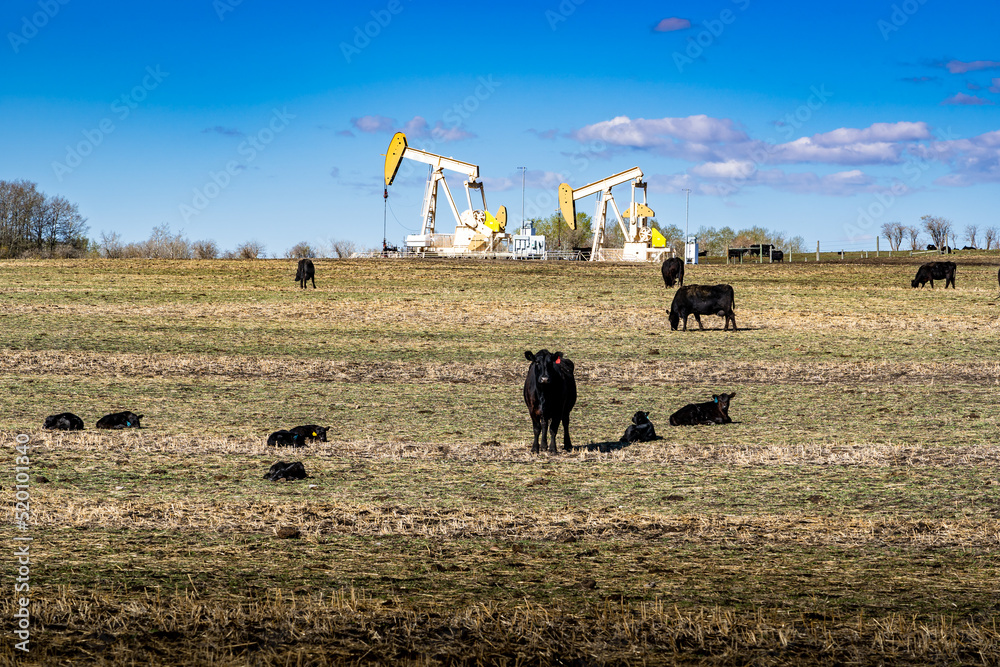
817 251
876 247
770 255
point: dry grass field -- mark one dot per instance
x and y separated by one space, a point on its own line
850 515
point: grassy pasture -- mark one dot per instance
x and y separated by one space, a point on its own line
851 515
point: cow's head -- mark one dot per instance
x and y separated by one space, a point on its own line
132 419
723 401
320 433
675 319
543 364
914 283
640 418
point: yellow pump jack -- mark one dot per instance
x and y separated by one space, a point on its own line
475 229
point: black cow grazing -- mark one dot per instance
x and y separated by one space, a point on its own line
285 439
64 421
311 432
760 248
305 273
777 256
701 300
281 471
673 271
935 271
735 253
931 246
550 394
119 420
715 411
641 429
969 247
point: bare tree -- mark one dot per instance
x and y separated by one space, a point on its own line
913 233
970 233
250 250
938 228
205 249
990 234
893 233
300 250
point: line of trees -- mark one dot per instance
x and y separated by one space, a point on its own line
33 224
940 230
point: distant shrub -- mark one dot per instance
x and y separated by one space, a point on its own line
250 250
205 249
300 251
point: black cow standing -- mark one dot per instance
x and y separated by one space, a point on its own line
701 300
641 429
550 394
935 271
64 421
673 271
119 420
778 256
305 273
715 411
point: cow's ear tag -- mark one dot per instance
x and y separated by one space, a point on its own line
558 360
128 423
314 434
716 399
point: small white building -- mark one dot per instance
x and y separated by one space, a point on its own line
525 244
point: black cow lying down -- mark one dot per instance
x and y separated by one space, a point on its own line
305 273
715 411
672 271
282 471
701 300
550 394
311 432
641 429
64 421
119 420
284 438
935 271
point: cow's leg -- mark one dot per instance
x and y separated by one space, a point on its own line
567 445
700 325
685 323
536 422
553 432
314 282
731 316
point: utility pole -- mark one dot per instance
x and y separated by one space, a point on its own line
687 211
523 171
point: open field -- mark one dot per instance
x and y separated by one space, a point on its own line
851 515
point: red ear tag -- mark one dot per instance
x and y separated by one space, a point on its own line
558 360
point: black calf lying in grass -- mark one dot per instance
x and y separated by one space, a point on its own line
641 429
715 411
119 420
311 432
64 421
286 439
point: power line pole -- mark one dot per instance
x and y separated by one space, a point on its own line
523 171
687 211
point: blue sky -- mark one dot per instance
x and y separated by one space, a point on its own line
236 120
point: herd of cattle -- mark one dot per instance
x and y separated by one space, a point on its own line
550 386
